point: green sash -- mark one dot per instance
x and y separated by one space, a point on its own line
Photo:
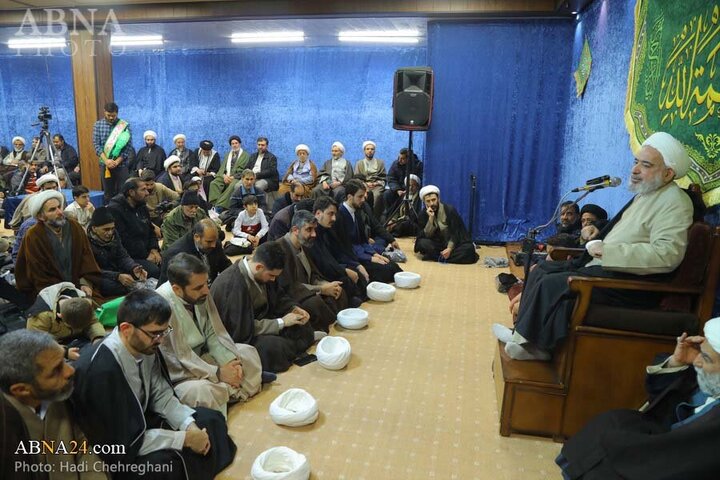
119 137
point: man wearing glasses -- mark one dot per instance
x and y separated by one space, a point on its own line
123 396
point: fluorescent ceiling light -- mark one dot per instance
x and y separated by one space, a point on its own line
37 42
267 37
136 40
380 36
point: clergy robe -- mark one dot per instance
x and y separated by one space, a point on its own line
120 401
668 440
354 248
250 311
648 237
208 163
219 192
188 160
44 261
166 179
21 423
447 229
302 281
198 345
150 157
326 175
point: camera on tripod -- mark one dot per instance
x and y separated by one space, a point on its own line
44 114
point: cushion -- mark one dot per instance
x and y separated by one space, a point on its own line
656 322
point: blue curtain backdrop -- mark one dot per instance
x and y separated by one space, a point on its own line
596 140
499 112
29 81
290 95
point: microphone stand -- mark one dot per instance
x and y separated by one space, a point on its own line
529 243
411 213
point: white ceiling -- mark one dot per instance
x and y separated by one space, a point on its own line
210 35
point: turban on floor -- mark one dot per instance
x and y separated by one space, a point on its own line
428 189
294 407
368 142
596 210
101 216
47 178
170 161
150 133
302 146
206 145
712 333
36 202
179 135
19 138
672 151
339 145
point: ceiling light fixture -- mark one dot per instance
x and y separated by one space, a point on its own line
380 36
37 42
136 40
268 37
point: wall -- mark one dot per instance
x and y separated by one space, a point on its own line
596 141
500 103
29 81
290 95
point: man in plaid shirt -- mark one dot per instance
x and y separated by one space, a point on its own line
113 171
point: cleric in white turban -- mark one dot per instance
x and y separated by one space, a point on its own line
151 155
372 171
334 173
674 436
172 176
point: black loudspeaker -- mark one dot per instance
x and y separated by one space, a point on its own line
413 98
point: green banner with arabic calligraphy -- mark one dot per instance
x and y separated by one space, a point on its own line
672 83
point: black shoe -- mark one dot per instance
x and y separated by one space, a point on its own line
355 302
268 377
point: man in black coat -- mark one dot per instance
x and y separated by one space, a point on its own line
296 193
443 236
119 271
68 158
133 224
264 164
396 178
203 242
675 436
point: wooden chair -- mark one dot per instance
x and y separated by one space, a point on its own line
601 364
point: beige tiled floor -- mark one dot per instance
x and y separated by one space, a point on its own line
417 399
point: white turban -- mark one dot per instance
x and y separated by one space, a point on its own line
672 151
19 138
712 333
196 179
416 178
427 190
339 145
179 135
368 142
150 133
48 177
36 202
170 161
302 146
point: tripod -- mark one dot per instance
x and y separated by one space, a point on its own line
406 201
44 118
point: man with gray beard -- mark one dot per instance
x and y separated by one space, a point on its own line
674 436
647 238
36 383
54 250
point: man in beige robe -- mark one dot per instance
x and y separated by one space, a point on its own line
206 367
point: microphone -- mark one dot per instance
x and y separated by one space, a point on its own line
597 180
610 182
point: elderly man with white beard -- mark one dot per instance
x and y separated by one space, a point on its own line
673 436
647 238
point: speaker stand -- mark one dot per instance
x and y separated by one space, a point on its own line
411 213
